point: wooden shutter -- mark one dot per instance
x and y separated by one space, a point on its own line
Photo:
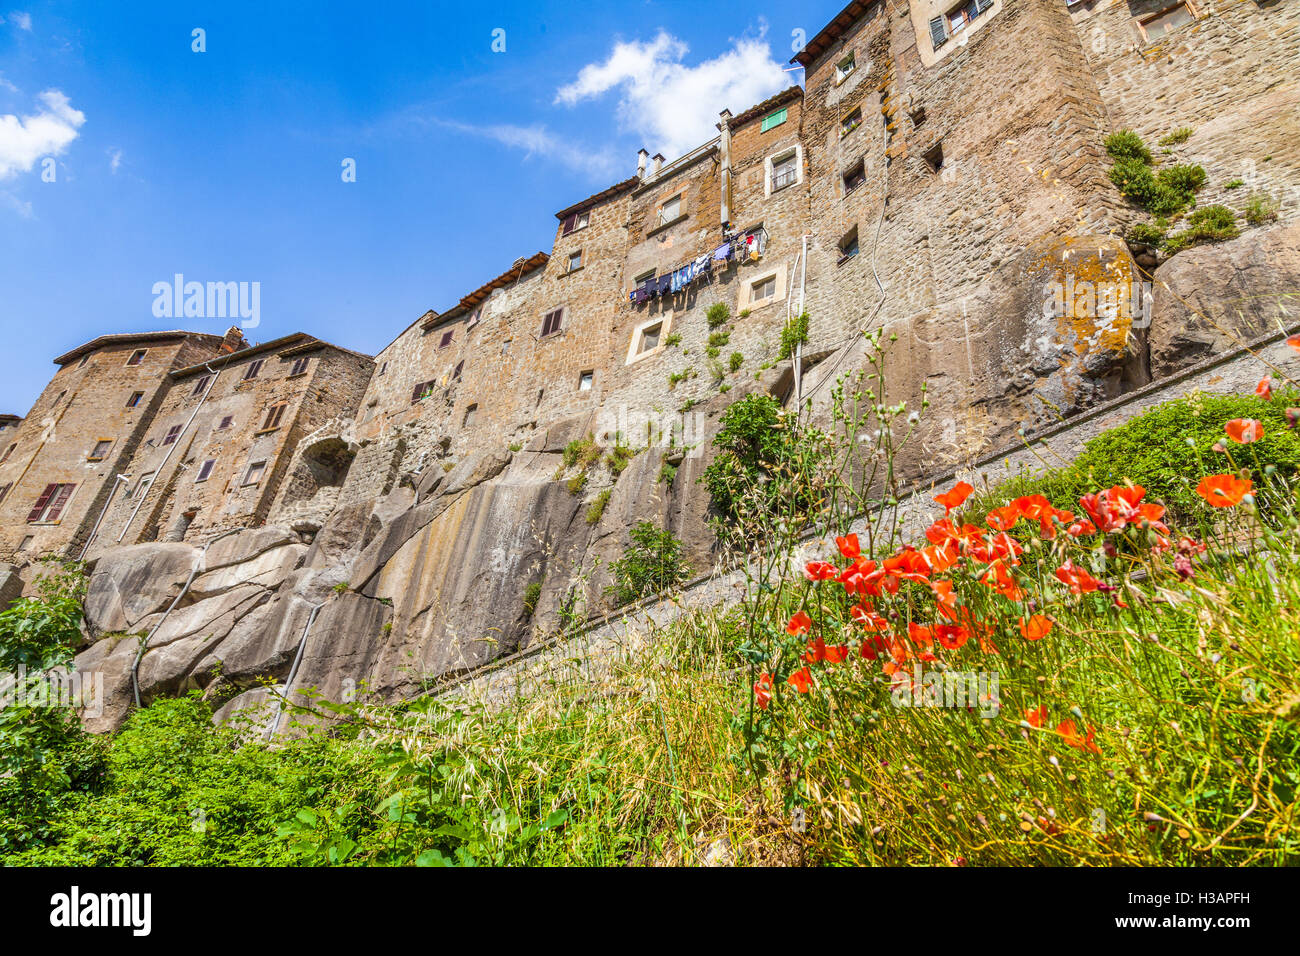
772 120
570 223
551 323
273 416
982 6
938 32
460 367
61 497
41 502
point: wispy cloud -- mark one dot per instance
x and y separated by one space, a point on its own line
21 206
7 86
114 159
23 21
672 105
537 140
47 132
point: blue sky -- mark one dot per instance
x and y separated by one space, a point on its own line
226 165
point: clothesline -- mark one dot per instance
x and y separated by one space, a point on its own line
742 248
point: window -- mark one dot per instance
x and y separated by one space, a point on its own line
273 416
763 289
773 120
844 68
205 470
585 380
854 176
785 171
851 122
934 157
134 400
254 369
421 392
173 433
505 345
299 367
470 414
200 385
848 246
474 318
941 28
383 368
1166 21
670 209
141 487
254 473
649 338
226 422
136 357
643 278
101 450
551 322
27 542
50 504
455 373
84 359
8 451
575 261
576 221
447 338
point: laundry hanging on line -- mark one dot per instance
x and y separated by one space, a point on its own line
744 248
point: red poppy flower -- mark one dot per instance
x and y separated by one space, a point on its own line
1067 729
1080 528
1244 430
1004 518
1265 388
763 691
1036 718
1036 627
1223 491
1077 579
820 571
849 546
800 680
954 498
951 636
1294 342
818 652
863 613
798 624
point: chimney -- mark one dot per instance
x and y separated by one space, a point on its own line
659 163
641 157
724 148
233 341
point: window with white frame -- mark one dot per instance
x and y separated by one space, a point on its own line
575 261
670 209
254 473
1158 26
785 170
844 69
762 290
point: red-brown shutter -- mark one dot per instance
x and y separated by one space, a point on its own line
571 223
41 502
60 499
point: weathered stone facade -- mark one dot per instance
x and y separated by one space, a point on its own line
941 175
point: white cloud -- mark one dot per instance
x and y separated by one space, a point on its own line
23 21
674 106
21 206
24 140
7 86
537 140
114 159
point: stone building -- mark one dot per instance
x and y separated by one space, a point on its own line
220 443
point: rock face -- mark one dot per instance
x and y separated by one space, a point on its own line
1213 298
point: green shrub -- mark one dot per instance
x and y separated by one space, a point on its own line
736 361
673 338
596 509
794 334
582 452
1209 224
651 564
1145 233
667 473
1234 184
1260 209
620 456
577 483
718 314
1177 137
1126 144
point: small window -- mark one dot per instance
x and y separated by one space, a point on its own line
505 345
273 416
299 367
773 120
421 392
934 157
134 400
8 451
102 447
785 171
851 122
141 487
670 209
200 385
447 338
226 422
254 369
27 542
854 176
643 278
576 221
848 246
173 433
383 368
551 322
137 357
649 338
575 261
474 318
455 373
84 359
254 473
844 69
49 506
470 414
205 470
585 381
763 289
1166 21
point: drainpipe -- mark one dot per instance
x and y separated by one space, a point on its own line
103 511
724 146
293 669
194 573
171 448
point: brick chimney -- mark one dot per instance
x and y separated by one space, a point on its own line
642 157
234 341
